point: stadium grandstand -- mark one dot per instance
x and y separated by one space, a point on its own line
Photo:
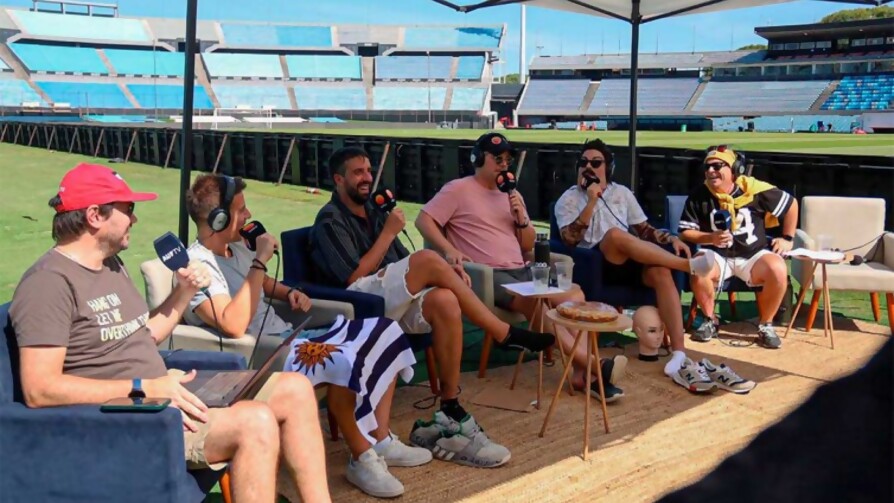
831 73
99 62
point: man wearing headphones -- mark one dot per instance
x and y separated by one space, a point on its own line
753 206
235 305
597 212
471 219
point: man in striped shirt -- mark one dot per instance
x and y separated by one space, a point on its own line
356 246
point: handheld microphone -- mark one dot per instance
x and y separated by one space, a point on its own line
251 231
506 181
171 251
722 220
175 257
384 200
589 179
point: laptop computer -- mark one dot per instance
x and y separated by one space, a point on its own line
223 388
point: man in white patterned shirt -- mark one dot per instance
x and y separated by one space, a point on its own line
597 212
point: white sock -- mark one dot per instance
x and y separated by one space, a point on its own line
676 361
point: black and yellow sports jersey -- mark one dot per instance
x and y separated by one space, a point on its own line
750 234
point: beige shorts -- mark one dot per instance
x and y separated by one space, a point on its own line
400 305
738 267
194 441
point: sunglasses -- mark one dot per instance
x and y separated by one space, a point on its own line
716 166
719 148
129 208
582 163
503 159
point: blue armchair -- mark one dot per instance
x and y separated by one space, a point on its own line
588 273
298 272
79 454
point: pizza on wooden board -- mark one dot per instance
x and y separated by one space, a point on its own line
590 312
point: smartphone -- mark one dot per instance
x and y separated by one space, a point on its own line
126 404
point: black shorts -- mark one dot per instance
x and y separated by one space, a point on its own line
502 297
629 273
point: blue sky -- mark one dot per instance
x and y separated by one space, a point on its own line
554 32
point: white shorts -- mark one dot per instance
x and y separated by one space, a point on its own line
737 266
400 305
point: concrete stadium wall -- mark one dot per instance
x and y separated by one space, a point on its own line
417 168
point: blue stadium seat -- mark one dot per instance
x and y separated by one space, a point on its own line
330 98
168 96
654 95
136 62
468 98
324 67
71 26
452 37
413 67
259 35
409 98
60 59
13 92
750 97
243 65
863 92
554 96
470 67
232 96
85 95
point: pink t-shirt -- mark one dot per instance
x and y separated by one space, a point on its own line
478 222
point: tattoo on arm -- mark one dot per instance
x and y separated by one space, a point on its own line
573 233
646 232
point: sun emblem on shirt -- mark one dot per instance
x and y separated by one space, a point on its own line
310 354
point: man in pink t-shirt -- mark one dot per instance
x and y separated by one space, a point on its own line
471 220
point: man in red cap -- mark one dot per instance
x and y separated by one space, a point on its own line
86 335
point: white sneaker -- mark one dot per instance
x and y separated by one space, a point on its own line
397 453
727 379
694 377
370 475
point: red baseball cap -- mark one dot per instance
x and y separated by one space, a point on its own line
89 184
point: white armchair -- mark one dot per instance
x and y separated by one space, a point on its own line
159 283
849 222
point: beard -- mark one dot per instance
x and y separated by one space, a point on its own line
356 196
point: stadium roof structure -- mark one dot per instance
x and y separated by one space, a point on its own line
636 12
845 28
622 61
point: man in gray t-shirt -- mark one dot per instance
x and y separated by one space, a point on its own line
86 336
228 275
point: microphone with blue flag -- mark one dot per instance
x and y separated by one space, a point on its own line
723 221
173 254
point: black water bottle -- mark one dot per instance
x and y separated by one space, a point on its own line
541 249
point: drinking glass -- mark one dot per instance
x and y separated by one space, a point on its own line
824 242
563 274
540 274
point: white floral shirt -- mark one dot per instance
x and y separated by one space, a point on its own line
619 199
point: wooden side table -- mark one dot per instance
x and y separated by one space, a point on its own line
592 330
828 330
540 301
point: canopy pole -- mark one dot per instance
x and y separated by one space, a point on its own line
189 80
635 20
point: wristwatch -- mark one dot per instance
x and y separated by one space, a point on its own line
136 390
788 237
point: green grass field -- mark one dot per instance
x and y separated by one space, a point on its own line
846 144
32 179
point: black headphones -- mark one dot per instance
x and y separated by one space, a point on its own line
477 156
219 218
